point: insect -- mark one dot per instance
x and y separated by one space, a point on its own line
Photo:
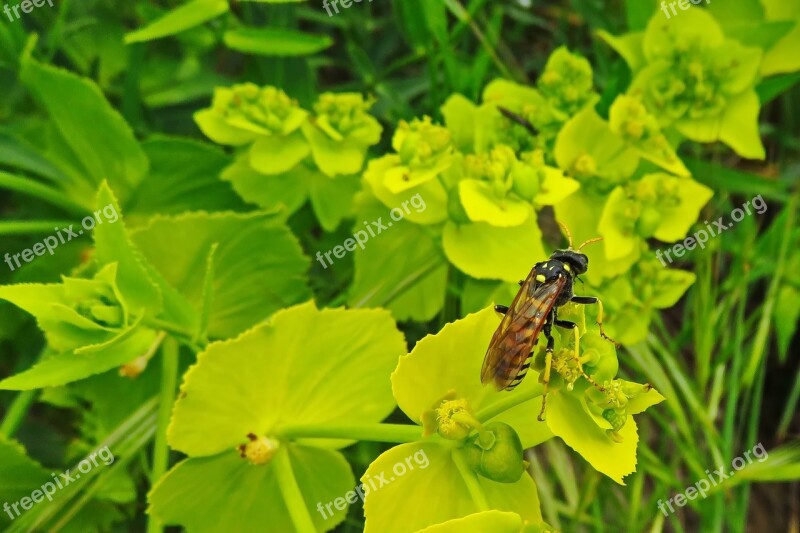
519 120
533 311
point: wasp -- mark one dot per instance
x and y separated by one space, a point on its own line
533 311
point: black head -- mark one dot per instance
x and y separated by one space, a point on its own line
577 261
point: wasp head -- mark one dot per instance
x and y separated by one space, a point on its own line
577 261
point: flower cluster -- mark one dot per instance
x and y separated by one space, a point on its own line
288 154
490 169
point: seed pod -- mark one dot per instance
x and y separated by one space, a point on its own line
496 453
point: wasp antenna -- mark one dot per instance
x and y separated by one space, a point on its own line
569 235
590 241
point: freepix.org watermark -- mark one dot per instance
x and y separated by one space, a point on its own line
704 485
373 229
59 482
683 4
26 6
701 236
344 3
52 242
374 483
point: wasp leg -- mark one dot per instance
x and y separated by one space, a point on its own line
566 324
577 357
502 309
588 300
548 362
521 282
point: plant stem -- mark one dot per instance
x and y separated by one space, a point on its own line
16 412
133 442
509 402
394 433
765 325
292 496
470 480
457 9
27 227
169 380
123 440
33 188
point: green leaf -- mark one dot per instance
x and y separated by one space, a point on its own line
18 153
225 492
787 315
333 156
430 195
332 198
150 290
276 154
216 127
460 116
724 179
183 177
281 42
618 240
93 132
581 212
270 192
670 286
630 46
66 367
114 245
262 379
258 272
451 360
19 476
678 218
495 521
178 20
782 58
482 205
439 476
488 252
404 271
568 420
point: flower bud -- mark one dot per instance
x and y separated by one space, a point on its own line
617 419
496 453
525 182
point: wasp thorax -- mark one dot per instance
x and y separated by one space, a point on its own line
260 450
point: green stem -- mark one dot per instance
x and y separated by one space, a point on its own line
27 227
394 433
127 452
765 325
470 480
169 382
292 496
16 412
184 335
509 402
122 440
33 188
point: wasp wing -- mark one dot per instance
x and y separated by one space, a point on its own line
514 338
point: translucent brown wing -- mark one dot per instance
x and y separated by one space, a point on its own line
514 338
